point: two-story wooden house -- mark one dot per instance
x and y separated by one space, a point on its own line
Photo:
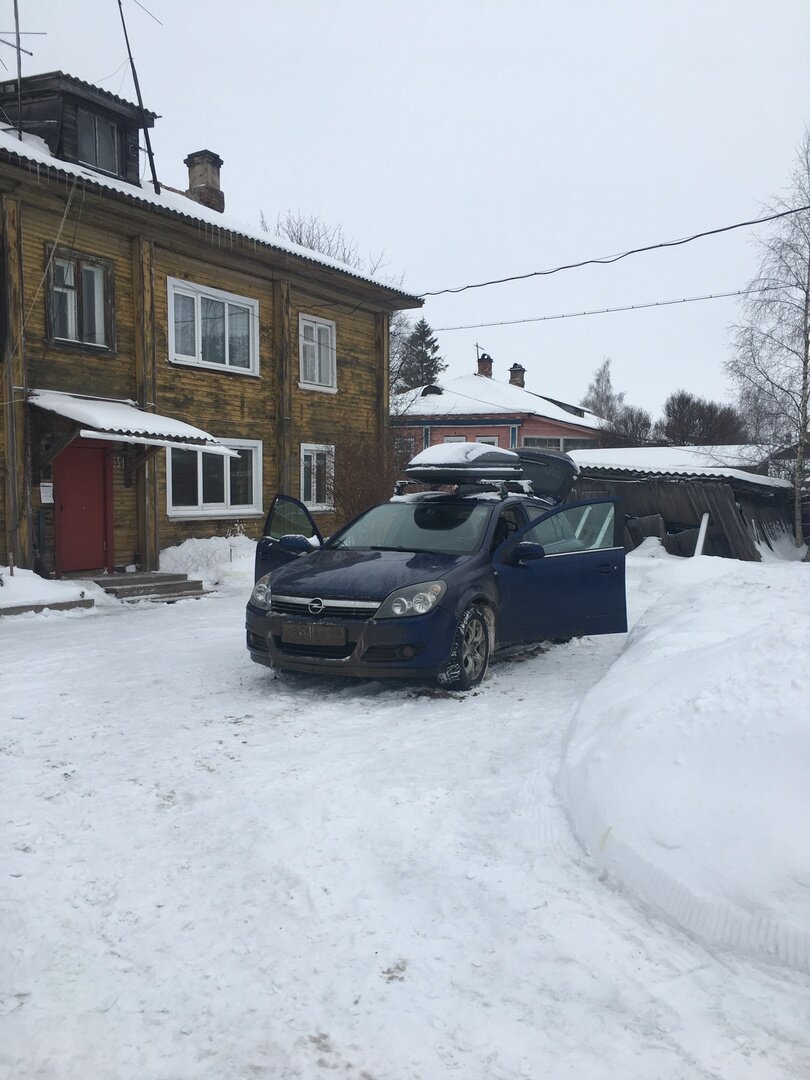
163 371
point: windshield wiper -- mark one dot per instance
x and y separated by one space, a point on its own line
415 551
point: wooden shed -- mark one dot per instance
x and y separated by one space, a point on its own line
667 490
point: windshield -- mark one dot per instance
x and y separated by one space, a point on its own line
440 528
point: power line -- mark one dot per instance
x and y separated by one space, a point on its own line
606 260
601 311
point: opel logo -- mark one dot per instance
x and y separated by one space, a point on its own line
316 606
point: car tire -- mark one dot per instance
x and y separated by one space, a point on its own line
469 658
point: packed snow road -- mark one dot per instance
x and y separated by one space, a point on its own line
209 872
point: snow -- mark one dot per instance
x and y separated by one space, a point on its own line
25 587
34 151
212 872
471 395
460 452
118 416
721 461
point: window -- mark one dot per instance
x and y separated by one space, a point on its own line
99 143
582 528
212 329
491 440
80 300
317 476
201 484
578 444
454 438
316 346
541 442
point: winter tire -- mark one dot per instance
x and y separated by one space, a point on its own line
469 657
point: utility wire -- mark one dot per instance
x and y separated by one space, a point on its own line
608 259
603 311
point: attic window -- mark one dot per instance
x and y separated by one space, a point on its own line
99 141
431 389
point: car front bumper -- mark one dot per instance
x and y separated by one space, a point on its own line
407 647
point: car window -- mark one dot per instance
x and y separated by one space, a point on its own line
580 528
288 517
441 528
510 522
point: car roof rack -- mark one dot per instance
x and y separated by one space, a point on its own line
504 488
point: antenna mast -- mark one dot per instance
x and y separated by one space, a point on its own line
149 153
19 70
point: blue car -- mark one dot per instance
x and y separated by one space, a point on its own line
431 584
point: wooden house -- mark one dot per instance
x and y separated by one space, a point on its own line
478 408
163 371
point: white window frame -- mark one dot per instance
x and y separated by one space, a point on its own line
311 449
224 509
490 440
330 386
180 287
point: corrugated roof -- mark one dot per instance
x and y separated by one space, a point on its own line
678 463
33 152
124 419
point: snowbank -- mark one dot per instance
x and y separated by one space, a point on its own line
686 769
218 561
26 587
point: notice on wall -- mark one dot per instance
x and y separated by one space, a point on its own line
46 494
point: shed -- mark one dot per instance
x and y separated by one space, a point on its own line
666 490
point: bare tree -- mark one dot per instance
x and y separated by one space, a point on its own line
689 420
771 360
630 426
601 398
314 233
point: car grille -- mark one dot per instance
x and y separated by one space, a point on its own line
332 609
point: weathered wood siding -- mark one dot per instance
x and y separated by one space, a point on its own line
144 248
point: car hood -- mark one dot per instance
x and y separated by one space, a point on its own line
360 573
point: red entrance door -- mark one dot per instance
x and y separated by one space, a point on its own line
80 504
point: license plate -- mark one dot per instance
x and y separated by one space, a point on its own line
305 633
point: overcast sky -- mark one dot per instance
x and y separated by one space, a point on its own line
476 139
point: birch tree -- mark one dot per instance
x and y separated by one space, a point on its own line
771 359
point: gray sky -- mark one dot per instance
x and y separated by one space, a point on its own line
475 139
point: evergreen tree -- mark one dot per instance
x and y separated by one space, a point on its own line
420 361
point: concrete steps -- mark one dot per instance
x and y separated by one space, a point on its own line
156 588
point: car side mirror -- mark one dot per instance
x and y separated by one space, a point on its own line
527 551
294 544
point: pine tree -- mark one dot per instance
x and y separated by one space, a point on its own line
420 363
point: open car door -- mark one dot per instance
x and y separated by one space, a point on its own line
288 517
563 575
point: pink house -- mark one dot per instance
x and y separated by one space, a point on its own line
478 408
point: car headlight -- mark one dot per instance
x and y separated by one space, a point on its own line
412 600
261 592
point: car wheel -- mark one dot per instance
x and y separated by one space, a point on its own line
469 657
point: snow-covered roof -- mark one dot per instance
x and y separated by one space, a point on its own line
33 151
478 395
726 462
123 421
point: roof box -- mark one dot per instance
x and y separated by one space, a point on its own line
464 463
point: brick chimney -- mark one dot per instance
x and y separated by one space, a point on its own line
203 179
516 373
485 365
